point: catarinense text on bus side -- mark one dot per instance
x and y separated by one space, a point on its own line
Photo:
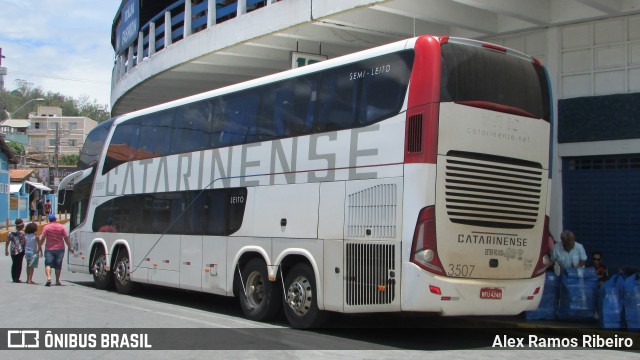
265 163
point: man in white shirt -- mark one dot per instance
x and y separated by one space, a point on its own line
568 253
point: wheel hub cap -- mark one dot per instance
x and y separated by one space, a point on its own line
99 268
122 271
299 295
255 289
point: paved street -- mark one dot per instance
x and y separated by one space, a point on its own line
78 305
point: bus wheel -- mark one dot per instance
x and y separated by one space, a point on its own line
123 282
260 298
301 304
102 278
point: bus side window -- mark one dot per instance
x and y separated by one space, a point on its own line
123 145
303 105
240 118
152 128
215 214
288 108
283 112
218 111
337 100
235 200
92 148
383 93
308 112
380 99
192 128
268 122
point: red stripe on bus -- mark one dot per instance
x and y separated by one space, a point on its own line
423 104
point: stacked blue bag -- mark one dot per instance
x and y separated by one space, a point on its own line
632 302
611 304
578 294
549 302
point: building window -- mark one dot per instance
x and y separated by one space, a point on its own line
53 125
52 142
36 125
73 142
73 125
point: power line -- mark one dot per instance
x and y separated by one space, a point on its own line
61 77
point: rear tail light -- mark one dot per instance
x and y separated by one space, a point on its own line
424 250
435 290
543 259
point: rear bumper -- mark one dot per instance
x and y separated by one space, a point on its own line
461 296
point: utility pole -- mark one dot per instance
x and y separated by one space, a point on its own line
57 151
3 71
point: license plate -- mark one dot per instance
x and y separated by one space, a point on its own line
491 293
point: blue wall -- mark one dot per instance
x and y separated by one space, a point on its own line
597 118
601 194
4 188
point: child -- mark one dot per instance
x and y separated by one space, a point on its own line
16 239
32 251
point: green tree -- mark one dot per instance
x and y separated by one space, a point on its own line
16 148
68 160
25 91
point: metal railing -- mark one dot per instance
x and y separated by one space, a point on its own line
177 22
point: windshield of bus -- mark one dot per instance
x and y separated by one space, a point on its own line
492 79
93 145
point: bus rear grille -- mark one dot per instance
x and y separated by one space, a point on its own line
372 212
492 191
370 274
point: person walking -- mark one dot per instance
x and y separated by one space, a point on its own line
17 242
47 207
39 208
32 251
54 236
32 210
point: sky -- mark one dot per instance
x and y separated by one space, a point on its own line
61 46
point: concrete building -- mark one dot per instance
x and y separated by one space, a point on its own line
591 48
48 126
16 130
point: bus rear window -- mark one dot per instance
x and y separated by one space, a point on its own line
482 77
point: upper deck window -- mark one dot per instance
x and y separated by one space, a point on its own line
344 97
93 145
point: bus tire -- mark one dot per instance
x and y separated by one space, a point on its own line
102 278
121 276
301 302
260 298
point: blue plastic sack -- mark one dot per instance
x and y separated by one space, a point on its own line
549 301
632 302
611 303
578 294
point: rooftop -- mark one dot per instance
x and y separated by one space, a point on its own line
17 175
